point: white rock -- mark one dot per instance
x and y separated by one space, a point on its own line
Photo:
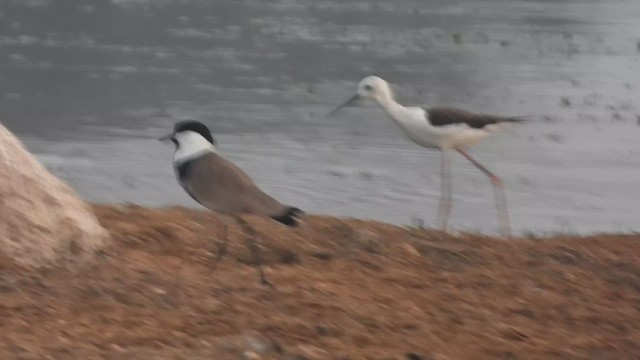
42 221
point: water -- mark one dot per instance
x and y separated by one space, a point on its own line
90 85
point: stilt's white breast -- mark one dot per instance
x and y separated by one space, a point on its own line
415 124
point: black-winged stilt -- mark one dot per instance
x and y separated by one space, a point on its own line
444 129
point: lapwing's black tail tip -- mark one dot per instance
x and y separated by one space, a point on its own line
290 217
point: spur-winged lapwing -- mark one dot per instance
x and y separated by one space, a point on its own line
221 186
442 128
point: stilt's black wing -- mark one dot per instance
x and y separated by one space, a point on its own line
443 116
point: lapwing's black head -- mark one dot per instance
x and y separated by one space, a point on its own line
189 127
195 126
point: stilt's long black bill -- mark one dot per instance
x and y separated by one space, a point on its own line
351 100
166 137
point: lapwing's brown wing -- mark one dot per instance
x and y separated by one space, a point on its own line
442 116
222 186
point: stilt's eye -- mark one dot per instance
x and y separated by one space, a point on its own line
368 87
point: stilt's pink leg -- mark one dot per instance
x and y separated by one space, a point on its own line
499 193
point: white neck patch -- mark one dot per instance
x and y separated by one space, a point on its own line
192 145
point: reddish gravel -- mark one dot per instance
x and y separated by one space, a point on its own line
344 289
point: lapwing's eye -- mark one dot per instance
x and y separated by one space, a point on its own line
368 87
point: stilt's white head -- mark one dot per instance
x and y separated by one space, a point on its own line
192 139
375 88
371 87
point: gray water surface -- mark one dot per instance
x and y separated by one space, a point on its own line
90 85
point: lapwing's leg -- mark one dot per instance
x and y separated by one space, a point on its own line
251 241
222 240
499 193
444 209
223 237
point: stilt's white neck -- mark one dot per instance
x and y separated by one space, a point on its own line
190 146
396 111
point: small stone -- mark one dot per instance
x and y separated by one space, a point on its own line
294 357
250 355
159 291
325 255
369 240
249 341
311 352
411 250
205 343
116 348
209 305
288 257
255 342
414 356
322 331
